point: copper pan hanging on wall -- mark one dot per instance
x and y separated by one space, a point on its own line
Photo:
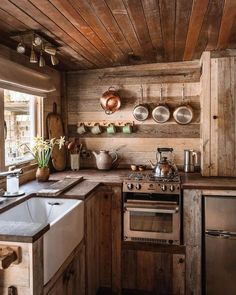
110 101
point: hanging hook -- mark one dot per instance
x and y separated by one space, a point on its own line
183 92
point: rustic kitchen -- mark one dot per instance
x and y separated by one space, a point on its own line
118 147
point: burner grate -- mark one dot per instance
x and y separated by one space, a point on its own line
138 176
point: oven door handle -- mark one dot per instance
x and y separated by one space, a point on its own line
152 210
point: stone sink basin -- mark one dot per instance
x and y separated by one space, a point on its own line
66 220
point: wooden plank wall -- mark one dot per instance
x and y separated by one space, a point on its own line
84 89
218 119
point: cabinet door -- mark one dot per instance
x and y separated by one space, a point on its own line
92 243
154 272
218 108
72 280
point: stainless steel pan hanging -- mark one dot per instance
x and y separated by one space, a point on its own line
184 113
141 112
161 113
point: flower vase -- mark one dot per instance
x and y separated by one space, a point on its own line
42 174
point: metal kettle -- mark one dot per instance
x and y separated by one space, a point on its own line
164 167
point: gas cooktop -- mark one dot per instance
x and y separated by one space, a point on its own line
147 182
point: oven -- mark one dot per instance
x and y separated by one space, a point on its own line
152 217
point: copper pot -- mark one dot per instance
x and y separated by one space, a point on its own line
110 101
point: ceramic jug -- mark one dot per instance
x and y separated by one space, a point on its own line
105 160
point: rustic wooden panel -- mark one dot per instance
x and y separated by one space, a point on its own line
91 244
197 17
146 131
227 23
105 248
226 121
192 212
101 33
154 272
205 100
152 17
84 90
183 12
218 117
116 219
210 28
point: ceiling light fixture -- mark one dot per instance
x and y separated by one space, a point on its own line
40 45
21 47
33 56
54 60
41 59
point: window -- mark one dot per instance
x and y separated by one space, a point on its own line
20 125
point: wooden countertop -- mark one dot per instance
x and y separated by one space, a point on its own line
189 180
23 233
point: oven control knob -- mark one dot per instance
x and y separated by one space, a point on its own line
130 186
163 187
172 188
138 186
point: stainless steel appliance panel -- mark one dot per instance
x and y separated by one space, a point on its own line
220 265
220 245
220 213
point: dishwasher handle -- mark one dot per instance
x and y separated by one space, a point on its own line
222 234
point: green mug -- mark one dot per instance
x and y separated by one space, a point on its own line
111 129
127 129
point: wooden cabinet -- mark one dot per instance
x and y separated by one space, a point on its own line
156 271
103 239
71 280
218 104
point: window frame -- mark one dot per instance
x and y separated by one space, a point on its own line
38 127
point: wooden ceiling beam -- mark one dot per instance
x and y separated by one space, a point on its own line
183 12
78 22
153 19
137 17
227 22
210 28
88 14
106 17
120 13
196 20
167 12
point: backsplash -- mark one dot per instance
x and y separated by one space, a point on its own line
84 89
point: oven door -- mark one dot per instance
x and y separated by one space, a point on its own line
152 221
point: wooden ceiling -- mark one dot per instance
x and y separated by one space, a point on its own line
105 33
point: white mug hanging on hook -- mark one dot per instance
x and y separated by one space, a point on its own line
183 114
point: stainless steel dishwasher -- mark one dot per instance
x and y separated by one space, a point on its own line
220 245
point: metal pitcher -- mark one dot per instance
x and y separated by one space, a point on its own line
190 160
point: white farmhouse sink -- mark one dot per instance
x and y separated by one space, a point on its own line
66 219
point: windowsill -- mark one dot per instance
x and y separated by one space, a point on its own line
20 163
